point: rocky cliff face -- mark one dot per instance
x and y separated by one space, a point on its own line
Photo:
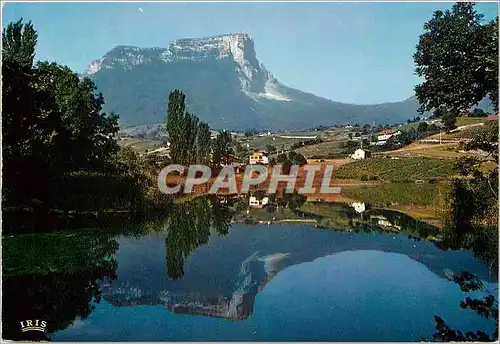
226 86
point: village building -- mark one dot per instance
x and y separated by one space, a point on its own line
387 134
258 158
361 154
384 223
359 207
258 203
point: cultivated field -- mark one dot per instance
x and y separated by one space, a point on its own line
429 150
469 120
140 145
397 170
320 149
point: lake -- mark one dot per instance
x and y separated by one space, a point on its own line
198 275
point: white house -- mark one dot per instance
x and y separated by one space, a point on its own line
387 134
258 203
258 158
358 207
361 154
384 137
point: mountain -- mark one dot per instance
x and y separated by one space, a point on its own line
226 86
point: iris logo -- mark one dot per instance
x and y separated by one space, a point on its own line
33 325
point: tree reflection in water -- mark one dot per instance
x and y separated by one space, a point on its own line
189 226
47 287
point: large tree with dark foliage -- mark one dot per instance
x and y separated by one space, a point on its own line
51 121
457 56
221 148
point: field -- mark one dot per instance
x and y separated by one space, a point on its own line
428 150
260 142
464 134
397 170
140 145
469 120
320 149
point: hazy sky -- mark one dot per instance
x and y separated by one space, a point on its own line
349 52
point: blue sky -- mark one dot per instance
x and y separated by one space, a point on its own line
350 52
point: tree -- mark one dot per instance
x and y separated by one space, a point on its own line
296 158
366 129
422 127
221 148
84 135
457 57
203 144
24 126
471 220
189 138
175 115
18 45
240 151
51 121
270 149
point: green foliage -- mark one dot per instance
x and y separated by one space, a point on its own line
296 158
189 138
270 149
240 151
397 170
293 158
471 132
472 217
203 144
58 252
84 135
52 122
189 227
221 148
422 127
92 191
18 45
457 56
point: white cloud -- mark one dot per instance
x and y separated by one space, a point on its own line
141 9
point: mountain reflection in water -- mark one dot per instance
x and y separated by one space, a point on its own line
202 259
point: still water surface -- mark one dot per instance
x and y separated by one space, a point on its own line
255 282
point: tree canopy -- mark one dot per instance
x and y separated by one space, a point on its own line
457 56
52 121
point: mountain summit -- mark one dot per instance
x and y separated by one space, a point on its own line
226 86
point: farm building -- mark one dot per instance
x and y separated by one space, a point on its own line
361 154
258 158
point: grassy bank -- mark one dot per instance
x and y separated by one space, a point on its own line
397 170
61 252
